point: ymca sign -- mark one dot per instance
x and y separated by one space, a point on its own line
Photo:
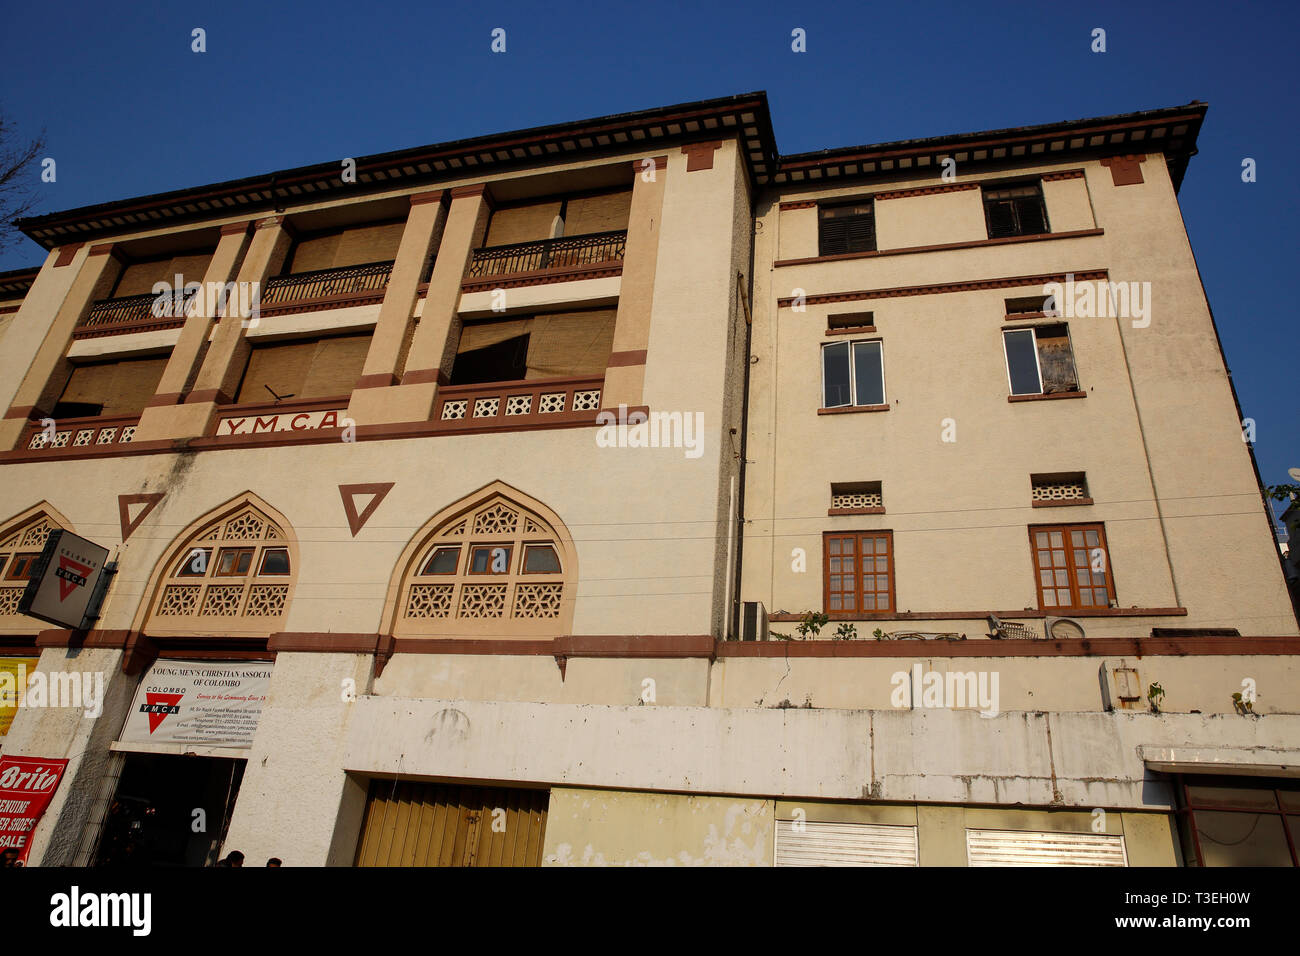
64 580
281 422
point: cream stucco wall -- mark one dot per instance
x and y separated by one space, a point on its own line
959 510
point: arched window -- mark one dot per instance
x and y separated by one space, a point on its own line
233 575
21 543
496 564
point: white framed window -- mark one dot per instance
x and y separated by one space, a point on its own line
853 373
1040 360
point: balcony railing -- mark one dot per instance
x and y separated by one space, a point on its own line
563 252
364 282
81 433
516 404
132 313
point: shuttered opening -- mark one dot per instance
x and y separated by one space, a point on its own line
1031 848
844 844
122 387
356 246
583 215
304 368
558 345
140 277
524 223
424 824
846 228
604 213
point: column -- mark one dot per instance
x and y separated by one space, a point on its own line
374 400
50 368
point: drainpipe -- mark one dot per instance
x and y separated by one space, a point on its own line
744 436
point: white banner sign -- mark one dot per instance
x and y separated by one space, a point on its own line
210 704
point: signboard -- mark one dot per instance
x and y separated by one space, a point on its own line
209 704
63 580
26 786
15 672
280 422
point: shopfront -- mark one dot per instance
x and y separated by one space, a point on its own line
179 762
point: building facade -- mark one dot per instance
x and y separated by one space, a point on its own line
466 506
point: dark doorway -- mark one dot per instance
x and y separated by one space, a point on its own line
152 820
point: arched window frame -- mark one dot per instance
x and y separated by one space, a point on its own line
23 535
509 603
194 591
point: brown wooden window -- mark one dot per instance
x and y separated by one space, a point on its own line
541 559
233 576
1071 566
20 568
1240 821
489 558
859 571
848 227
442 561
275 561
194 564
234 562
1015 210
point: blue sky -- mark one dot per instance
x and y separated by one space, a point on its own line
129 109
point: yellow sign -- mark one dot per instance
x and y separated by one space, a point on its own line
12 671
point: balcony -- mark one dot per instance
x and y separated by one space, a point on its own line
326 289
575 257
517 405
135 313
81 433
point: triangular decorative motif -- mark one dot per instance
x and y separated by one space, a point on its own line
349 493
124 503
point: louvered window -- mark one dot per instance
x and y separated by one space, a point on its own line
847 228
1030 848
1015 211
805 843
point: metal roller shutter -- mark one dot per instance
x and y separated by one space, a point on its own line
845 844
408 823
1034 848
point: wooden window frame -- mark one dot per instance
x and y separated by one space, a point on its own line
986 188
1187 810
261 564
1071 570
858 535
25 559
523 558
424 571
235 573
860 201
188 560
471 547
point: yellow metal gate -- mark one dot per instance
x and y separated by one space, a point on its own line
408 823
